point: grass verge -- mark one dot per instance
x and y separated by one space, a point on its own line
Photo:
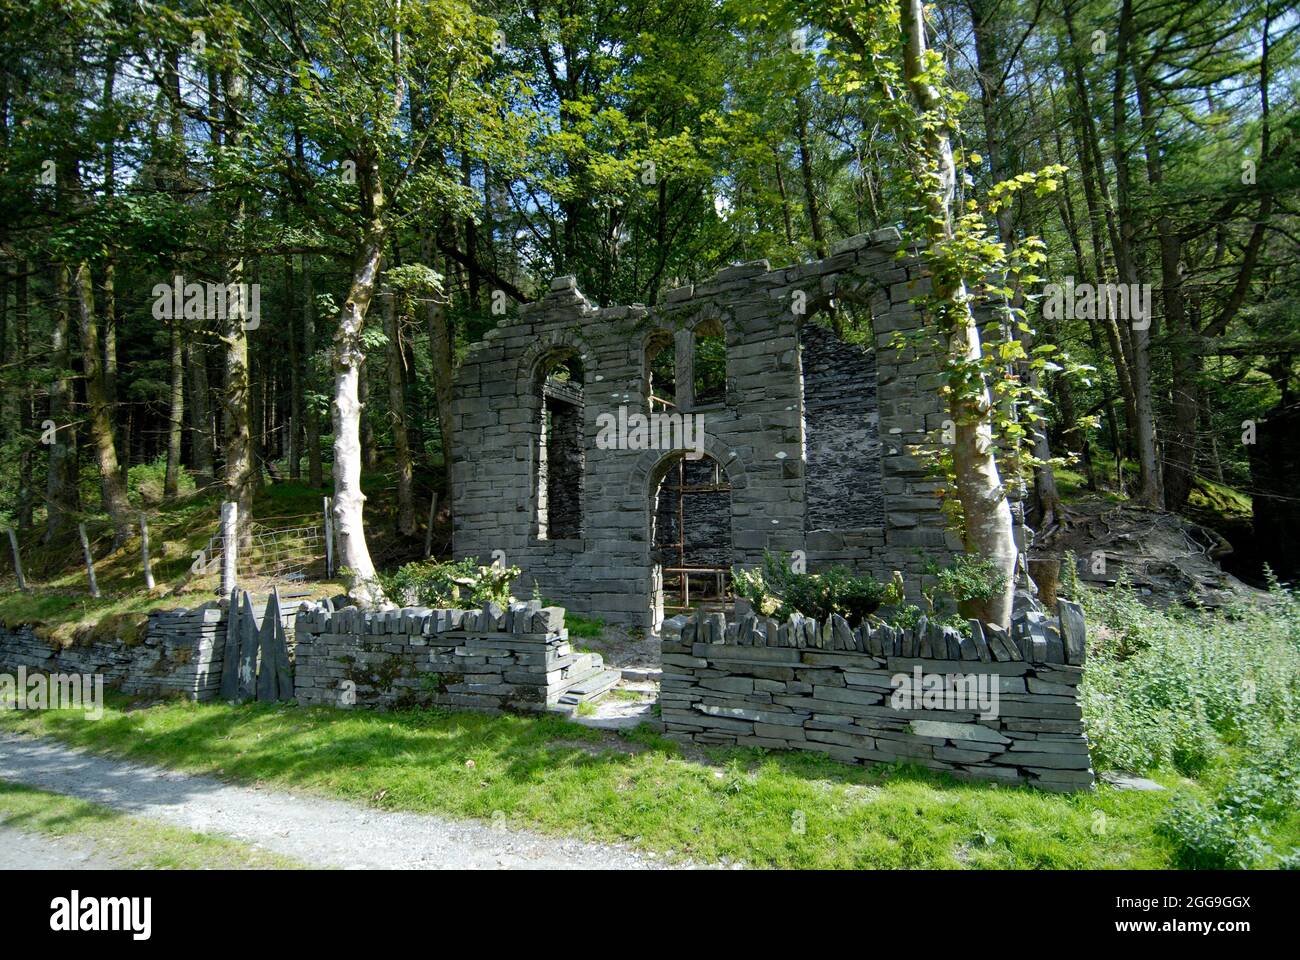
766 810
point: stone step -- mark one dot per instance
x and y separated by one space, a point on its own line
641 674
589 688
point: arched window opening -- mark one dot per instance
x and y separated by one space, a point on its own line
561 450
661 372
710 363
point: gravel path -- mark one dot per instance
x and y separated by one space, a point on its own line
312 830
20 850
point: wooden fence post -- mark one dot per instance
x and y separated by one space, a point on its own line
90 561
229 545
18 560
144 553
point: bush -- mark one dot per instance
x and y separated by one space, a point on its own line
456 584
145 482
1208 839
969 577
1172 688
776 590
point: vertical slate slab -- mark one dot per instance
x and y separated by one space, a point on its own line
1074 633
266 637
230 656
283 673
248 644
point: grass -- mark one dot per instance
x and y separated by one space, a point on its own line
130 842
59 601
768 810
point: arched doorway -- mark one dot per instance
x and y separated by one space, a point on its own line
691 548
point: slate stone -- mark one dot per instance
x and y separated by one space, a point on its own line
1074 632
249 641
230 655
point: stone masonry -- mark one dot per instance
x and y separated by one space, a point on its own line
180 652
817 459
516 658
832 689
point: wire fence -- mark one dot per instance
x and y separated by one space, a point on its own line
289 553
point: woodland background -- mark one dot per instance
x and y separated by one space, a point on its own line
463 162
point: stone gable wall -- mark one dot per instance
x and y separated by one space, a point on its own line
757 434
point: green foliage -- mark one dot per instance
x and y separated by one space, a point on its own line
776 590
145 482
1208 839
1173 688
585 627
460 583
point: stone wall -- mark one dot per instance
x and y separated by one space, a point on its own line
757 432
179 652
992 706
490 659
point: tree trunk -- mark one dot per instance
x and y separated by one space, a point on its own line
1150 491
202 430
26 416
175 411
237 441
61 495
112 488
986 513
347 411
442 340
806 170
315 475
397 413
294 444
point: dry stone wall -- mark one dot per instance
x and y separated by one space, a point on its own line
179 653
994 705
496 658
759 432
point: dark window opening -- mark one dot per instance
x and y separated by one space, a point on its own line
561 451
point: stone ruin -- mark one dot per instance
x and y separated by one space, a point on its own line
806 440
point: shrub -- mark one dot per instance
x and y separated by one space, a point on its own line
776 590
969 577
1172 688
145 482
1208 839
449 584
